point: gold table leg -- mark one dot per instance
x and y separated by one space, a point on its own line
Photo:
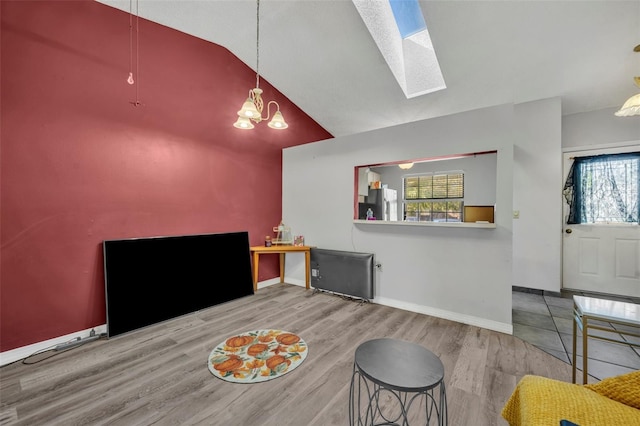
575 337
585 336
281 268
255 270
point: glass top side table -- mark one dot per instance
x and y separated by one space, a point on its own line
586 310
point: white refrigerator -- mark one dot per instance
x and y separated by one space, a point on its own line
386 203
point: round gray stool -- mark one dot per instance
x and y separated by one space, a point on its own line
405 371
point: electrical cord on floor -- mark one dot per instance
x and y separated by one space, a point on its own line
342 296
51 349
63 347
59 348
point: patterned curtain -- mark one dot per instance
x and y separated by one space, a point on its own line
603 188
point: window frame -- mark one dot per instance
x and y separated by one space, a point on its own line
426 200
583 212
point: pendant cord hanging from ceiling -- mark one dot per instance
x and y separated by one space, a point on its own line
131 80
258 43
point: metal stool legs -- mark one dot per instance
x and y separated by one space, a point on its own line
361 415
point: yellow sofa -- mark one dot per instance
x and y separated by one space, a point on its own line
545 402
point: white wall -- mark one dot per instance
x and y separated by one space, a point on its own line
537 195
600 127
538 181
460 274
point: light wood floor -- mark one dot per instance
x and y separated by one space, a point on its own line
159 375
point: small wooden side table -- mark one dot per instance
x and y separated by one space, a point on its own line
282 251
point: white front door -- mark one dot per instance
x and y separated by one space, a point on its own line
601 257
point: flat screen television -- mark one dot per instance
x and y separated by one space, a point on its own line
150 280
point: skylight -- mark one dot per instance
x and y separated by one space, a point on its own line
408 16
399 30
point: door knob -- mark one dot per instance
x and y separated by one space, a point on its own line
568 230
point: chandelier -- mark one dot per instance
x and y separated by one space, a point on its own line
252 108
632 106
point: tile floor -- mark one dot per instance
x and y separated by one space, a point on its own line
545 320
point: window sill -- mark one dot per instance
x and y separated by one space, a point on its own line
434 224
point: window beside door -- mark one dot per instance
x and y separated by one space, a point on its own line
603 189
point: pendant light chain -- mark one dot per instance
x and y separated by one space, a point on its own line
137 51
130 39
258 43
130 79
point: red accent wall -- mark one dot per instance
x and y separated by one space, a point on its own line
81 164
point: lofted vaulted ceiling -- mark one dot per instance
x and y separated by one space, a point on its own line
320 54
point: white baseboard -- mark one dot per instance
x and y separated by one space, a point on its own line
267 283
421 309
295 281
24 351
441 313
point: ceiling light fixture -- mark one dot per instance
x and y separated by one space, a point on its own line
632 105
253 106
405 166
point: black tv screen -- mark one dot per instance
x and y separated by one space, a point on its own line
149 280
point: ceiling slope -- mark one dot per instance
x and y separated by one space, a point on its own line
320 54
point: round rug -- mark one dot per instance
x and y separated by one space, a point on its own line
257 356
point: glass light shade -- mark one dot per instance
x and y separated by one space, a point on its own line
405 166
243 123
248 110
631 107
277 122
